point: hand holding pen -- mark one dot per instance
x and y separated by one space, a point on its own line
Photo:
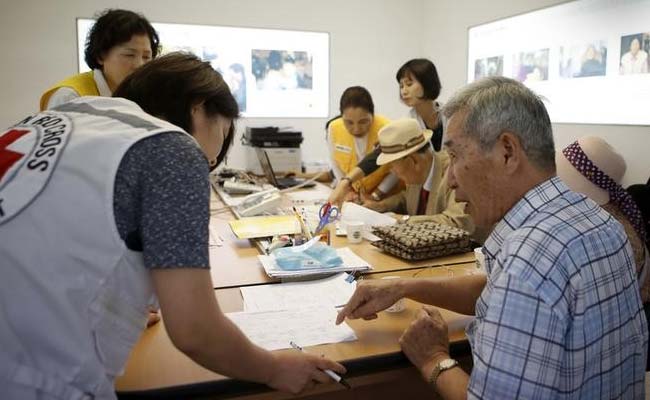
296 372
336 377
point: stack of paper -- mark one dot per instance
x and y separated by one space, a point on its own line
330 292
351 262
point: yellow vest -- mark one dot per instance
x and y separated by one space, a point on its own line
84 84
345 154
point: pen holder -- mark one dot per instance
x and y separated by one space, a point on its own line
326 236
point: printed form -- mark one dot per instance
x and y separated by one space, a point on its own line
330 292
303 312
273 330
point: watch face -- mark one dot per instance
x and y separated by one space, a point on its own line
448 363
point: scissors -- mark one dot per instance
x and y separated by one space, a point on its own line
327 214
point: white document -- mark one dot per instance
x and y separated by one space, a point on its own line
273 330
351 262
329 292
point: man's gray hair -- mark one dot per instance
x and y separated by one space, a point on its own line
496 105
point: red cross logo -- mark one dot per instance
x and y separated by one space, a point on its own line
8 157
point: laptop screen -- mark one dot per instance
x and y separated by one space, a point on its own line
265 163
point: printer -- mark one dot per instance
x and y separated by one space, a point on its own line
281 144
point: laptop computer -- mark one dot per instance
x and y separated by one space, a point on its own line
280 183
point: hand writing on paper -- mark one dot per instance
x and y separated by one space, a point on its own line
369 298
340 192
426 341
297 372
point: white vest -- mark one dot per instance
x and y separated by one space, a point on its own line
73 298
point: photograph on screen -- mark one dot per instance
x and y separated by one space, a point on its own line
281 69
270 72
224 62
634 54
235 77
488 66
583 60
530 66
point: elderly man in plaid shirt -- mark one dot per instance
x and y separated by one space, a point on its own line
558 314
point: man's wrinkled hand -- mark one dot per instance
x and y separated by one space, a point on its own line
369 298
426 340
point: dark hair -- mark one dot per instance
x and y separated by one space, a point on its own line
354 96
357 96
114 27
641 195
424 72
169 86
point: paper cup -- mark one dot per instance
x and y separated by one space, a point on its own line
355 231
400 304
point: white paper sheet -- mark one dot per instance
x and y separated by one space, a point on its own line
273 330
307 197
355 212
329 292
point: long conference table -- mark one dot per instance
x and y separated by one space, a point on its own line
376 366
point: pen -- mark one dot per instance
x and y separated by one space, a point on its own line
329 372
303 226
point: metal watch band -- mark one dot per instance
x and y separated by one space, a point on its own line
442 366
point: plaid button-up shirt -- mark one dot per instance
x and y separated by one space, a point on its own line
560 316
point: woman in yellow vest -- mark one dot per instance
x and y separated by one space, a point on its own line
118 43
353 135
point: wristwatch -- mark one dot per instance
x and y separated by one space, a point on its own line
442 366
405 218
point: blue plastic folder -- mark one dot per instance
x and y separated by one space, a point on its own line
311 255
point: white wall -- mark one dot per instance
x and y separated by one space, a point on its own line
369 40
445 42
38 39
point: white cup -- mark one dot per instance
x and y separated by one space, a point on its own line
480 259
355 231
400 304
